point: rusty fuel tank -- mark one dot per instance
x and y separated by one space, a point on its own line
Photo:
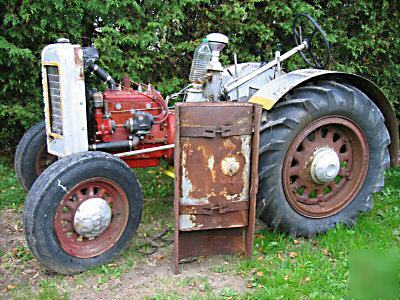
216 162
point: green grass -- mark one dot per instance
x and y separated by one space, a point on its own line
11 193
282 267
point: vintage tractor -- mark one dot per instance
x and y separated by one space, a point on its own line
326 138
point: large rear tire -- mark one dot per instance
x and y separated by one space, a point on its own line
82 211
336 120
31 157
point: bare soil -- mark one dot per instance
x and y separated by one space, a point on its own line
133 275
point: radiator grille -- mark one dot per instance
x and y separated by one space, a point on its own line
53 84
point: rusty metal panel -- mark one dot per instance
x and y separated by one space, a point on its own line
216 157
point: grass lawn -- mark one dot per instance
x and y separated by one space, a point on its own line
282 267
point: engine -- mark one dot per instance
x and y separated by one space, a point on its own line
128 119
120 119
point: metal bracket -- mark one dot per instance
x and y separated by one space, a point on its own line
211 131
208 209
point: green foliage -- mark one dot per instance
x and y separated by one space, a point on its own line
153 41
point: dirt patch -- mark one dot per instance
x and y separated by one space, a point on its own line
150 279
133 275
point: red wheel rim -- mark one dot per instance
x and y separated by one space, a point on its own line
43 160
318 200
69 239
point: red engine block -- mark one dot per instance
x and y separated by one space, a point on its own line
118 107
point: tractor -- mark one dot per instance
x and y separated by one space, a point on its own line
325 140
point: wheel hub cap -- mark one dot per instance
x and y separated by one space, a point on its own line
92 217
325 165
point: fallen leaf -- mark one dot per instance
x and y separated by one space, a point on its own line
9 288
260 258
286 277
292 254
296 242
259 273
326 252
280 256
249 285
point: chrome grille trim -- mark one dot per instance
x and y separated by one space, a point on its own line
53 85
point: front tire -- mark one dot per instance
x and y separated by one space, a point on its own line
31 157
326 116
76 186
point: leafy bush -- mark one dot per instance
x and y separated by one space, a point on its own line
153 41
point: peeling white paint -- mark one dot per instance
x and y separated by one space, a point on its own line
230 165
187 222
193 201
246 151
211 161
187 186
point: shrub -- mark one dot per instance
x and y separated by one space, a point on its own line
153 41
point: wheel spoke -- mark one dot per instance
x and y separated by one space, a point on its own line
67 216
79 195
320 191
74 236
294 171
329 135
101 192
344 156
68 227
71 204
90 190
306 144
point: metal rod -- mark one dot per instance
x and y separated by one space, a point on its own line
236 74
230 86
147 150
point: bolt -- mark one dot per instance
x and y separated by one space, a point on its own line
349 175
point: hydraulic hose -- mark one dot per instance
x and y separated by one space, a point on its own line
103 75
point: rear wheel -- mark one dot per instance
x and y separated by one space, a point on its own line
323 153
82 211
31 156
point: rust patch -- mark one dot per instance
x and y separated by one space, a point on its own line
78 56
202 179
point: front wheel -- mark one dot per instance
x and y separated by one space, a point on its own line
82 211
31 157
323 153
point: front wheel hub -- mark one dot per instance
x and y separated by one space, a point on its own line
325 165
92 217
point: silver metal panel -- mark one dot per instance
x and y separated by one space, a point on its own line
64 99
